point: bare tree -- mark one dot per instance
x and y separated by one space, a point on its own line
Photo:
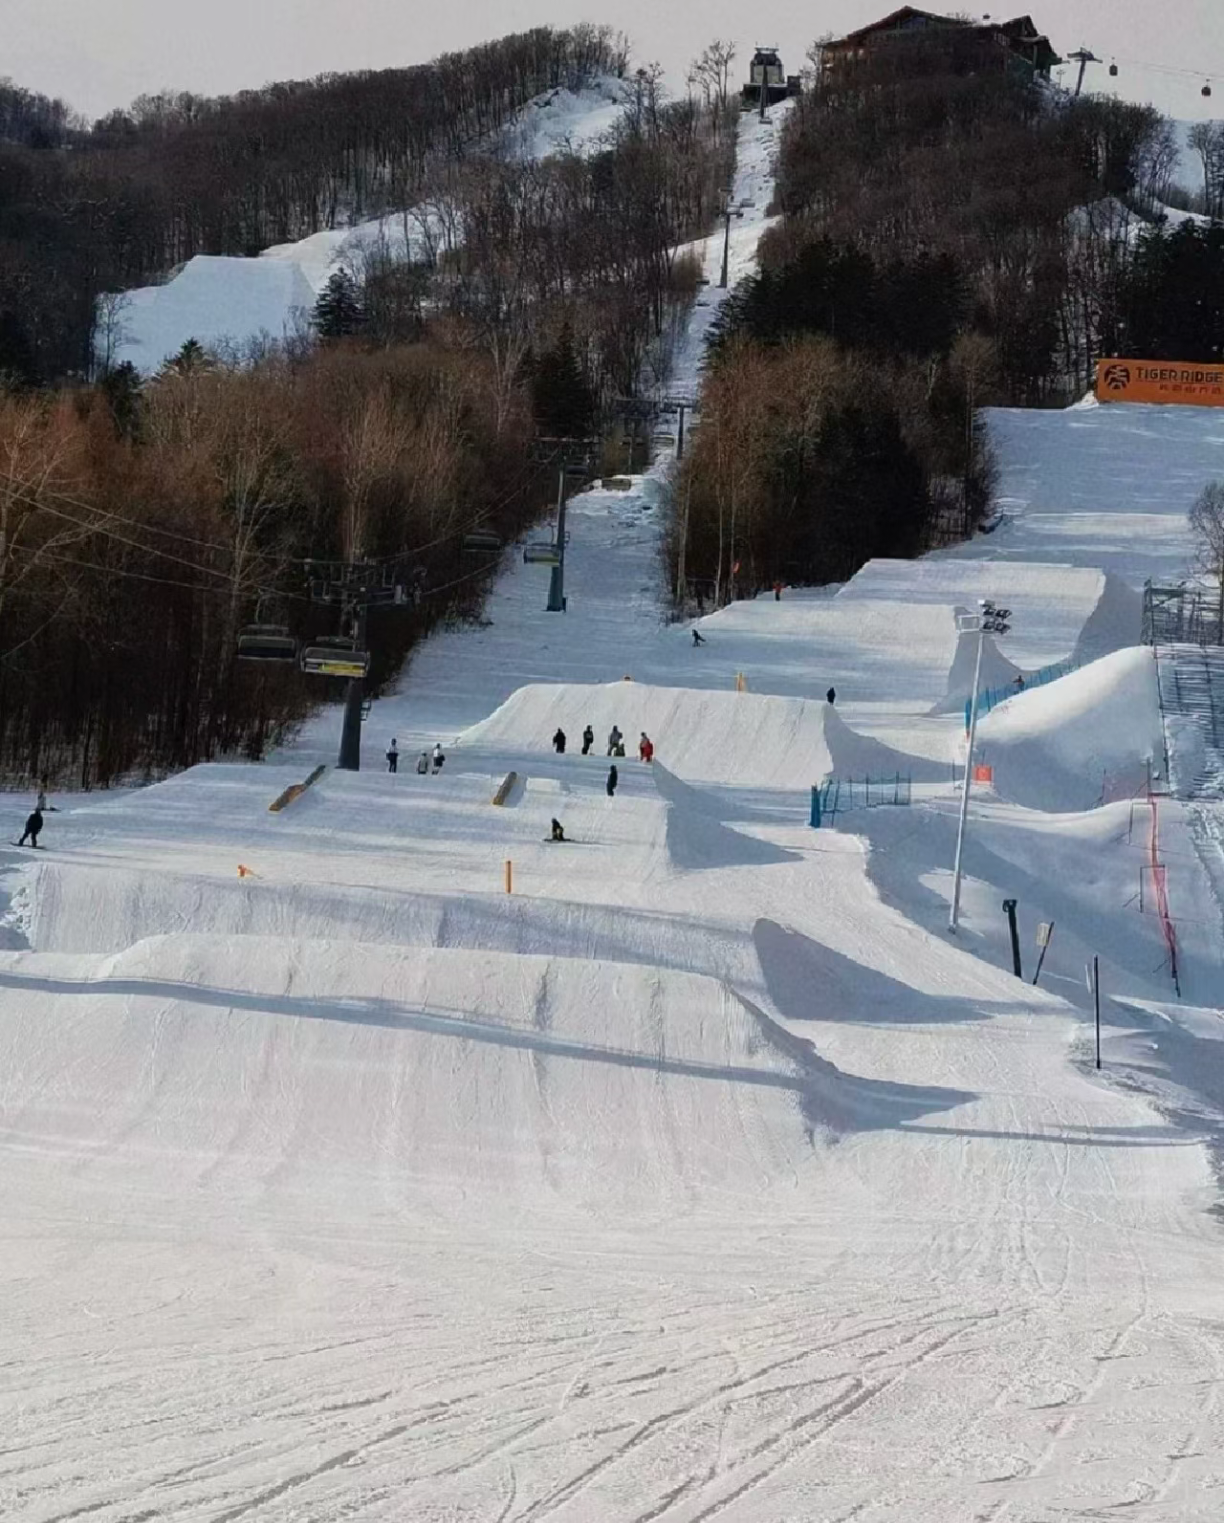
1207 140
711 72
1207 526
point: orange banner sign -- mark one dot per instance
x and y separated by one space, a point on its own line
1160 381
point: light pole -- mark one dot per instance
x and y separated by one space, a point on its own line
988 620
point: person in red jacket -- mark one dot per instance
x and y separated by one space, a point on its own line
645 748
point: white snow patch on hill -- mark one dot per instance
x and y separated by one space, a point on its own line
226 302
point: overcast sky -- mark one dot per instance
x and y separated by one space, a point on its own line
100 53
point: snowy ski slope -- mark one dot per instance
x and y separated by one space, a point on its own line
702 1176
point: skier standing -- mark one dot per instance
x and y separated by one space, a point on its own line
831 695
559 741
35 823
615 738
393 756
698 637
423 763
645 748
438 757
588 740
612 780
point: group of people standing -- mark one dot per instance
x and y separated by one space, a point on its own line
423 761
616 743
616 747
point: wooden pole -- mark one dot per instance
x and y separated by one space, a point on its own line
509 876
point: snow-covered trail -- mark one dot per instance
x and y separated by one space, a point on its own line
700 1177
557 1268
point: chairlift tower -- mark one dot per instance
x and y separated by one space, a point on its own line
354 587
573 457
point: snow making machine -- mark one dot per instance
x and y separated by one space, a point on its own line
766 74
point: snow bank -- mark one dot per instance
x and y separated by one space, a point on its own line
1055 747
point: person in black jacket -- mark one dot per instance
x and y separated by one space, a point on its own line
831 695
588 740
612 781
35 823
559 741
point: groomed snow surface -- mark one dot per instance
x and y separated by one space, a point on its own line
702 1176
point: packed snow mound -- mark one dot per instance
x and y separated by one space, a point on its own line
457 1073
746 739
411 861
219 302
1090 735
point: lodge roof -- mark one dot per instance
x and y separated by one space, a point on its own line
1020 29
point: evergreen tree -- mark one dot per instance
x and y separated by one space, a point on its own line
190 358
561 399
338 313
1172 303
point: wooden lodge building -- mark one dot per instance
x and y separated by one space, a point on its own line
1006 45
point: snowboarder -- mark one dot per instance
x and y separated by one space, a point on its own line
615 738
559 741
777 592
831 695
557 833
1019 682
438 757
698 637
423 763
35 823
393 756
588 740
645 748
612 780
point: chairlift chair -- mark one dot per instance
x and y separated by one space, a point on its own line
481 541
336 642
266 642
323 660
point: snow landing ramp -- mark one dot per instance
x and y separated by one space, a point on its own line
749 739
1087 737
445 1074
